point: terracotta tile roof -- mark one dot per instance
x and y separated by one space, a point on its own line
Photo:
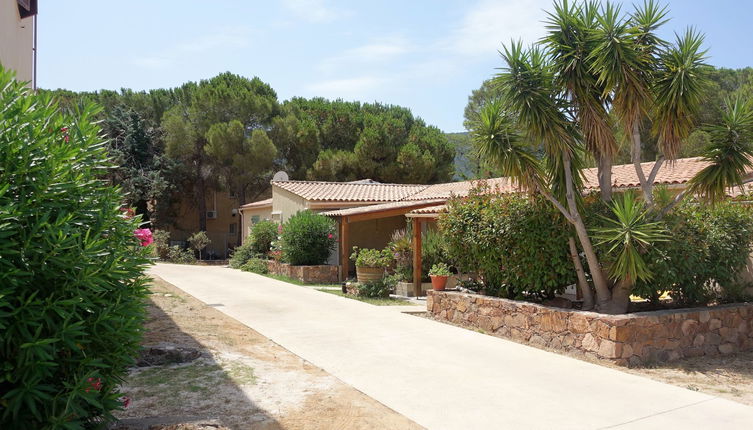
405 204
461 189
258 204
350 191
624 176
429 210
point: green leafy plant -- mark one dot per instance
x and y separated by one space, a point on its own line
241 254
517 245
176 254
307 238
402 253
256 265
161 243
378 289
627 234
263 233
366 257
72 284
198 241
433 251
439 269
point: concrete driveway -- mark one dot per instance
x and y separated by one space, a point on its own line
445 377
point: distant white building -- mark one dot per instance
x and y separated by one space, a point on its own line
18 30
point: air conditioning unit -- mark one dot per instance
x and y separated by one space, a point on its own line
211 214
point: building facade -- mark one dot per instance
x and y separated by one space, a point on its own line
18 22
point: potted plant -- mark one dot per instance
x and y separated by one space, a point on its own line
439 274
370 263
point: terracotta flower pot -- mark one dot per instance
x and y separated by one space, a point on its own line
438 282
365 274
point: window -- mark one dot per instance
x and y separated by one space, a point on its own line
232 228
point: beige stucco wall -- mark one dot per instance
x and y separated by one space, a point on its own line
248 216
218 230
16 40
285 204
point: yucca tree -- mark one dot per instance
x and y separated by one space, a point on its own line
597 63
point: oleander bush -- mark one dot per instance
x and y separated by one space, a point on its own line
72 285
307 239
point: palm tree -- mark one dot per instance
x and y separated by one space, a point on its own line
559 94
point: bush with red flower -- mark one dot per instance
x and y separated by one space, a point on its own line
72 284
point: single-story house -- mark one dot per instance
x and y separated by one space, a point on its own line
368 213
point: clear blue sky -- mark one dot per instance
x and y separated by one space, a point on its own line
425 55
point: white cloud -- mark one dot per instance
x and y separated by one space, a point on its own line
313 10
490 23
377 52
347 87
224 38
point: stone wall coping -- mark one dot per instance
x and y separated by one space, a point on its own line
633 315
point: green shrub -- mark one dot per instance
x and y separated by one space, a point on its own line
161 244
307 239
262 235
378 289
256 265
72 290
241 254
402 253
176 254
366 257
198 241
434 249
517 244
709 246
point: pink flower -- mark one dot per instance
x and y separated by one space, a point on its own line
144 235
94 384
66 138
126 401
127 213
64 129
279 228
330 236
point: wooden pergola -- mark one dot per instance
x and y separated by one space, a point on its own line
346 217
418 218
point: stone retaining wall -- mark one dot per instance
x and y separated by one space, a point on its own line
323 274
631 339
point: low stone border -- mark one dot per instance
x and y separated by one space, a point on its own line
323 274
631 339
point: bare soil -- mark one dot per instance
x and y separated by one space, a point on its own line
728 376
241 381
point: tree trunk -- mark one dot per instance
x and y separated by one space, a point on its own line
620 300
603 295
585 289
241 193
605 177
635 152
201 201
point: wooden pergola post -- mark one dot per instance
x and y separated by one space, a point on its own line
416 256
344 247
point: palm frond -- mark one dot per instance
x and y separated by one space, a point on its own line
679 85
730 152
497 140
627 233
